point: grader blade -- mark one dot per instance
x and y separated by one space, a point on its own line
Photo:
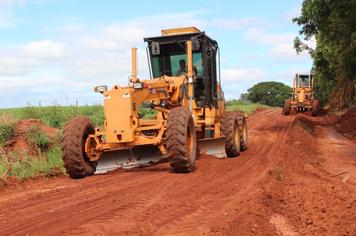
150 155
127 159
212 146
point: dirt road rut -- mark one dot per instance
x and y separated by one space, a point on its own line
296 178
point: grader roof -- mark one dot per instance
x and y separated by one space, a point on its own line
180 35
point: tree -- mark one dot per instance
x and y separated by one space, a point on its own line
243 97
332 23
269 93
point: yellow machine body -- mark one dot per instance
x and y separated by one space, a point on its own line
124 129
302 92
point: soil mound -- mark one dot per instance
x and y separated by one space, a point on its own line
346 124
19 142
305 123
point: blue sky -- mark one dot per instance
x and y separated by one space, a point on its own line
55 51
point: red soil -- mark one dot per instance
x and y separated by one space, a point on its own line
346 124
19 143
296 178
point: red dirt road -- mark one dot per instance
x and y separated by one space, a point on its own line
296 178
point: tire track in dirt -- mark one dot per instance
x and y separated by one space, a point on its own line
222 197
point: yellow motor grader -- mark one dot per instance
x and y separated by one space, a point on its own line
190 117
302 96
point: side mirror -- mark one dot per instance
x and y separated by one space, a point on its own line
100 89
155 48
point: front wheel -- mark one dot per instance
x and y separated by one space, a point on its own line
181 140
287 106
231 129
75 160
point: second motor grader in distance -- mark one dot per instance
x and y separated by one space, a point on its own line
185 92
302 96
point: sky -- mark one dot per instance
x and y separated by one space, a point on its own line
56 51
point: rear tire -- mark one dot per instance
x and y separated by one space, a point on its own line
181 140
231 129
287 106
75 160
315 107
244 133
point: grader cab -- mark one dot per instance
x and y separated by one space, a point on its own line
302 96
184 91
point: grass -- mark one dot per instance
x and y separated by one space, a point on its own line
244 106
7 129
36 138
23 166
56 116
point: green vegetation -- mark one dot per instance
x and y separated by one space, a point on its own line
23 166
244 106
268 93
332 24
56 116
147 113
7 130
36 138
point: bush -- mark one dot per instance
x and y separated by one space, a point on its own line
245 106
31 112
95 114
54 116
7 131
147 113
36 138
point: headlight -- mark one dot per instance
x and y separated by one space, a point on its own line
138 85
100 89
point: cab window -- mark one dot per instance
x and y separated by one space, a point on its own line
168 61
303 81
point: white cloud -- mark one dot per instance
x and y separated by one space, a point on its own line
283 51
26 58
311 42
115 37
44 50
236 80
279 46
239 74
260 36
235 23
15 66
